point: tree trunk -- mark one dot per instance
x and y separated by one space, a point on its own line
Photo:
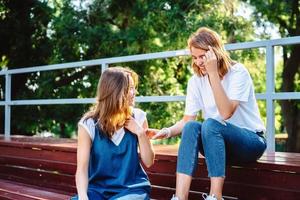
290 110
62 133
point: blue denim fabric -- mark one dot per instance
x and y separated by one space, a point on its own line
219 143
130 194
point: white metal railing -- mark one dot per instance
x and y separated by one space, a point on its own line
269 95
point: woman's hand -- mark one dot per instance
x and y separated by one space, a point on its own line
211 62
159 134
134 127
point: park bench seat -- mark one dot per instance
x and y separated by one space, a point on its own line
44 169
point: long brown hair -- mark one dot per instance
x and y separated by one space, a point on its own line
112 105
205 37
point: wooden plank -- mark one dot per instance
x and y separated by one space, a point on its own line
37 153
24 192
38 177
43 164
6 195
46 142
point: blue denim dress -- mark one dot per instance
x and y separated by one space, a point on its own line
115 171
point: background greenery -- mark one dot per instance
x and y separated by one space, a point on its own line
40 32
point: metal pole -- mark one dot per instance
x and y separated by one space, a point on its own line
269 98
7 106
104 66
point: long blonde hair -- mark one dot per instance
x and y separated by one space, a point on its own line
205 37
112 106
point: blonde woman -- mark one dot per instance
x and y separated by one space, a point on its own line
109 136
232 128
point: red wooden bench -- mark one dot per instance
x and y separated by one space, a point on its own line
44 168
37 168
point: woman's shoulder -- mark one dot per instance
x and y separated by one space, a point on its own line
238 68
196 78
138 112
139 115
88 121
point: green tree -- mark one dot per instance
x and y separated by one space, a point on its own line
24 43
286 16
117 28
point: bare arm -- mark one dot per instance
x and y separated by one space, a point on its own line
174 130
145 146
83 156
226 107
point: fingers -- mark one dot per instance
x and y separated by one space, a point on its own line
211 53
160 135
156 136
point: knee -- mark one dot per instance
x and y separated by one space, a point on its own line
209 126
191 128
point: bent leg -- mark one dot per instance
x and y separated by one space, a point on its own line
188 157
223 141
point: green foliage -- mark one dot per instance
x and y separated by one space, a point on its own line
63 32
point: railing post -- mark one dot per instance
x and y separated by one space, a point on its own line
7 106
104 66
269 98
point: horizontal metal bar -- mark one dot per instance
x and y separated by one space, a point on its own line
260 96
285 95
52 67
97 62
52 101
264 43
88 100
159 98
279 95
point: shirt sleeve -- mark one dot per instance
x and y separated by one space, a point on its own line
240 84
140 116
89 126
193 101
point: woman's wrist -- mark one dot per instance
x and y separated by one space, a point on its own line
167 131
141 132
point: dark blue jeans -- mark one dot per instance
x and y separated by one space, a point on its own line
218 142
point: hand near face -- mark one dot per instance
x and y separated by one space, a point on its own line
133 126
210 61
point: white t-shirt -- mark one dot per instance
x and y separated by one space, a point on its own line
237 85
89 126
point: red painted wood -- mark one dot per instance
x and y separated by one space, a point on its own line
51 163
45 164
36 177
38 153
23 191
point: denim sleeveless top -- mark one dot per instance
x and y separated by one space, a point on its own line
112 168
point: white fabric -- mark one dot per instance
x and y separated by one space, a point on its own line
89 126
238 85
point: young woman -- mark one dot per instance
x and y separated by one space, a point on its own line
109 136
232 128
